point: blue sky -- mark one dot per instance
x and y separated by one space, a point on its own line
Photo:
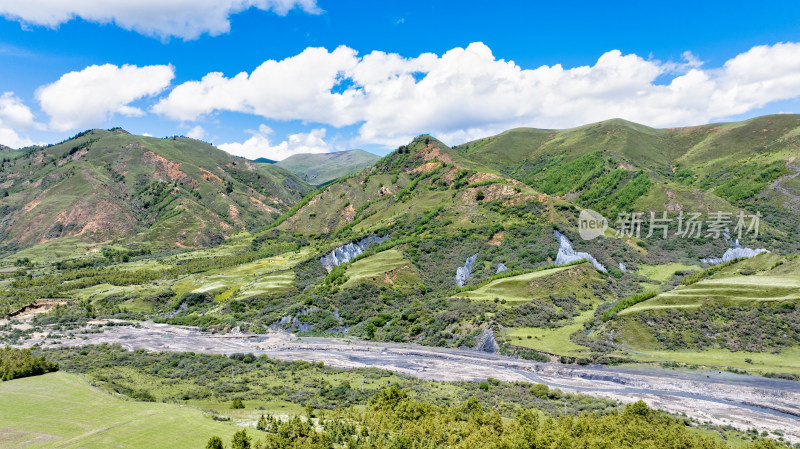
458 70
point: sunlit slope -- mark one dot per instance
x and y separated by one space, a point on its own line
104 185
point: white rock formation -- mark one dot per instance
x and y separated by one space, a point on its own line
464 273
567 255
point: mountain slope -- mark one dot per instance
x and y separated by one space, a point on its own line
319 169
618 166
105 185
465 252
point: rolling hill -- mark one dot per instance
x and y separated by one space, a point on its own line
319 169
455 246
101 186
618 166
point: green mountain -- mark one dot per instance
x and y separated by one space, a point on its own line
319 169
452 246
618 166
102 186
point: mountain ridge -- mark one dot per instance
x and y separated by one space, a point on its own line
103 185
322 168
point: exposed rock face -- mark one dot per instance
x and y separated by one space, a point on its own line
180 309
736 251
294 324
486 342
501 267
464 273
623 268
567 255
346 253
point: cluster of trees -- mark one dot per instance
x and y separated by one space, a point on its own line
600 184
392 419
16 363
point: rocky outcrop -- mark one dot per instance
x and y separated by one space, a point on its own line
346 253
568 255
734 252
486 342
180 309
501 267
295 324
464 273
623 268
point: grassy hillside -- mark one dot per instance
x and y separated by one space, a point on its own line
618 166
104 185
63 410
319 169
500 199
745 310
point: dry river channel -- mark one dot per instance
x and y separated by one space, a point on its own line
720 397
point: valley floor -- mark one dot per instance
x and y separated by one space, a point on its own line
724 398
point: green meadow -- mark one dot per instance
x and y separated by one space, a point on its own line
63 410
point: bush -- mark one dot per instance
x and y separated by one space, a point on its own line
16 363
214 442
237 404
540 391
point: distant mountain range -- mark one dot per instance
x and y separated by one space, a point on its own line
322 168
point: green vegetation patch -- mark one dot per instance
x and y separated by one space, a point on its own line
512 289
662 273
64 410
388 267
550 340
16 363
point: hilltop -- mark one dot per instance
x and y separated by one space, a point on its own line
103 186
618 166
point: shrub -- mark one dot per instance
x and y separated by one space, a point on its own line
16 363
214 442
240 440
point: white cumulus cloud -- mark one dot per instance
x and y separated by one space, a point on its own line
468 92
259 145
187 19
299 86
92 95
196 133
14 117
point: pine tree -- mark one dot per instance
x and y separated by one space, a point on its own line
262 423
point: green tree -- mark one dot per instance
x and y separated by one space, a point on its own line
262 423
540 391
309 410
215 442
240 440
